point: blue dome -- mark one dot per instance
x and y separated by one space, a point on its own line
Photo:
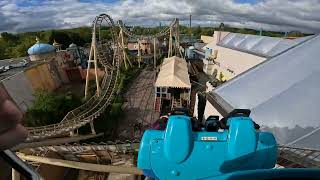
40 48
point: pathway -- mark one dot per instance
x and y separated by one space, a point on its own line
138 108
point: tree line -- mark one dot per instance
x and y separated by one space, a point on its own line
16 45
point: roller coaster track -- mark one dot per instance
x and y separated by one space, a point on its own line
112 146
109 57
163 32
172 29
288 156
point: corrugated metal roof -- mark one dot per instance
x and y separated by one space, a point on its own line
259 45
283 94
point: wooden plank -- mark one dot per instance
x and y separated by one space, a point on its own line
55 141
83 166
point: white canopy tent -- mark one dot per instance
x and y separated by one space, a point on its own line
173 73
283 94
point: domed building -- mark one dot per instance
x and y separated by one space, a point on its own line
41 51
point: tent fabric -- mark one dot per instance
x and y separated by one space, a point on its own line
259 45
173 73
283 94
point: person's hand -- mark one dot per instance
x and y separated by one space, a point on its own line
11 131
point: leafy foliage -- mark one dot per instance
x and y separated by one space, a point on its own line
16 45
49 108
107 123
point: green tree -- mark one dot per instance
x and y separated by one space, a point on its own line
10 38
49 108
60 37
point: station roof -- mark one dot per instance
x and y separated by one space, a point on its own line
259 45
282 93
173 73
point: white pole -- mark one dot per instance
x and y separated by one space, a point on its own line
154 54
88 72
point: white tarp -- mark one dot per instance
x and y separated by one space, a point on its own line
283 94
173 73
259 45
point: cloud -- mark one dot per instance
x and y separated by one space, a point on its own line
284 15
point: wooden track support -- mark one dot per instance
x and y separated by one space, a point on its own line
81 165
93 52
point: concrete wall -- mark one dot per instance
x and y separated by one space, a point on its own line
21 86
228 61
218 36
92 76
20 90
62 62
41 57
207 39
4 93
54 73
40 77
236 61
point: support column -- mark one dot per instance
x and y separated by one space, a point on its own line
96 69
170 43
15 175
154 54
88 72
93 52
177 36
92 128
123 50
139 53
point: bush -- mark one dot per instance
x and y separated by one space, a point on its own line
49 108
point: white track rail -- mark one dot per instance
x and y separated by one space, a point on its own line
96 105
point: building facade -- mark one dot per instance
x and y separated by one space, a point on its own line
47 68
172 87
229 54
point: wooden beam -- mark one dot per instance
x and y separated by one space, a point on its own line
56 141
81 165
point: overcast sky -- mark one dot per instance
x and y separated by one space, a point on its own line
284 15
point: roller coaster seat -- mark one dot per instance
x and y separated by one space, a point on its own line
212 124
179 153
